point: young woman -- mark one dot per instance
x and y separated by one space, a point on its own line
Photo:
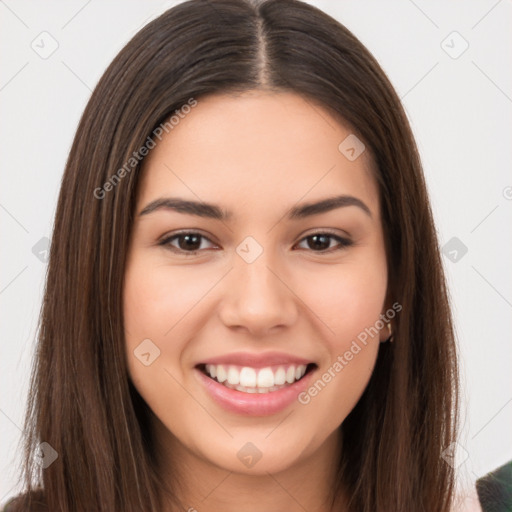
245 307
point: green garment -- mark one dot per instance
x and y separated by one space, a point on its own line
495 490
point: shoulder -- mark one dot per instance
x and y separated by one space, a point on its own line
466 500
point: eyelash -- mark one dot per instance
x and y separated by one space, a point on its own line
343 242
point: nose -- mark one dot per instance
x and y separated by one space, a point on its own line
257 298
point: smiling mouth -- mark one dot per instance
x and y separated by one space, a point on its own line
256 380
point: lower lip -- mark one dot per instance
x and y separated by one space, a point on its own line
254 404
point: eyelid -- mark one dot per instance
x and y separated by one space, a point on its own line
326 231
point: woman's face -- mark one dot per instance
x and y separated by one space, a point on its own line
257 254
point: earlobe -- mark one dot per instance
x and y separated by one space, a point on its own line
390 339
386 317
390 335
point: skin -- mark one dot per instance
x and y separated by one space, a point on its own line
256 154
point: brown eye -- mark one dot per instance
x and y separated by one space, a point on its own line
323 242
185 242
189 242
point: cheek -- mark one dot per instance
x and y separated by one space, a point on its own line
348 298
157 298
160 303
152 309
349 301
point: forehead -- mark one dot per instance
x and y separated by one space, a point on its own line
268 149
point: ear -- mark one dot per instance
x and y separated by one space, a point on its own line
386 331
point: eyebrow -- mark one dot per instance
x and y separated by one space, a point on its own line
213 211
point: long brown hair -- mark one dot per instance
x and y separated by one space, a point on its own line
82 403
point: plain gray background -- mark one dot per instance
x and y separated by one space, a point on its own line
449 62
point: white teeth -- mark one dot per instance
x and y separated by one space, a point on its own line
300 371
280 376
221 373
265 378
253 380
248 377
233 375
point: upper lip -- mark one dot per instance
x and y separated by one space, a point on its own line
257 360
